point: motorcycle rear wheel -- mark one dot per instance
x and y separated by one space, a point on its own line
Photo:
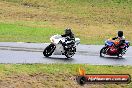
70 53
122 53
49 50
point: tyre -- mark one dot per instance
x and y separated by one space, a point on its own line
49 50
103 52
120 55
70 52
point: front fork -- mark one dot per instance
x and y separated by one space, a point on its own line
106 49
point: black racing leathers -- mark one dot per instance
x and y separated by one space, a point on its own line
121 42
69 37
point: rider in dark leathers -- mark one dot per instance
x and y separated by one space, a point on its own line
121 40
69 37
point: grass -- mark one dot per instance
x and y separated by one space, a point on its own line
8 69
55 75
19 32
92 21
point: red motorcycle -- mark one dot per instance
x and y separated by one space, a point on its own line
111 49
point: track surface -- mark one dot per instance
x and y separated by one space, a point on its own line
11 52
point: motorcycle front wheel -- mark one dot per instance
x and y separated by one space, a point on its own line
49 50
103 52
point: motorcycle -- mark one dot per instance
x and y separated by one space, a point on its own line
111 49
56 47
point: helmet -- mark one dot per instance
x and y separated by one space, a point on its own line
120 33
68 31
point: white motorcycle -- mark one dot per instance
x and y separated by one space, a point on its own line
56 47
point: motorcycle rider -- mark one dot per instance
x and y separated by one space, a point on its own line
121 40
69 37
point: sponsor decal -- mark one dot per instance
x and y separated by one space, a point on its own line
84 78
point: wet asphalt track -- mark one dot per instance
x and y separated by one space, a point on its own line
32 53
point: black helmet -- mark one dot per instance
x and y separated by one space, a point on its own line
120 33
68 31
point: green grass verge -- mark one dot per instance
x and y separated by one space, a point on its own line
8 69
92 21
18 32
63 73
28 32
